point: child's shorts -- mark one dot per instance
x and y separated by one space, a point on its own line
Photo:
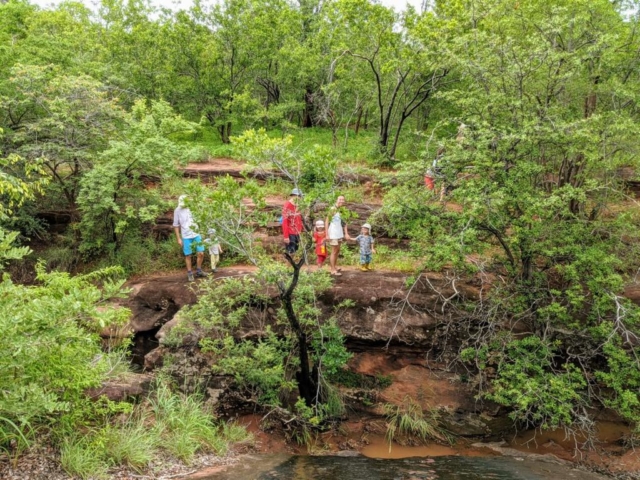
365 258
188 243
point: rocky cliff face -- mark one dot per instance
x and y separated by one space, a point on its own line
391 330
385 311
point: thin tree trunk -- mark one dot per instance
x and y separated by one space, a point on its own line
307 115
225 132
357 127
392 152
307 384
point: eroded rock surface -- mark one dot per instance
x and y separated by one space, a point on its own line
385 308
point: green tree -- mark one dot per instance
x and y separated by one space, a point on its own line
19 182
405 69
549 103
60 120
114 199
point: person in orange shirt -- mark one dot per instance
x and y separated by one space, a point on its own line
320 238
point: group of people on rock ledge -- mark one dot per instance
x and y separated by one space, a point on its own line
328 234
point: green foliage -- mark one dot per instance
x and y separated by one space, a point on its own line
532 174
19 183
540 393
63 121
259 368
52 355
409 420
623 378
143 256
8 250
233 210
265 366
312 170
113 198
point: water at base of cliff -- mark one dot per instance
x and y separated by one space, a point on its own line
300 467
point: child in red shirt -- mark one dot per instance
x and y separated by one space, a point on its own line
320 236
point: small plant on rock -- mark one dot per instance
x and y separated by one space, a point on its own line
409 420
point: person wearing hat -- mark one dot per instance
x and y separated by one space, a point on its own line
188 238
320 239
292 222
215 249
365 242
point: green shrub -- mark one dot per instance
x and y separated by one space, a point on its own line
142 256
60 257
540 393
50 353
259 367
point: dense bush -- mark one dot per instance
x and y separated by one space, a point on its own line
51 353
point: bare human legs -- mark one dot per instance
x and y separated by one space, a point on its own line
199 258
333 259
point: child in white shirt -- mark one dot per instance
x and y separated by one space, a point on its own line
215 249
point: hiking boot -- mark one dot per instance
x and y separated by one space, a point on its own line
363 268
368 267
190 277
201 274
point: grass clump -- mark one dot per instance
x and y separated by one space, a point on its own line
410 421
90 456
81 457
186 429
170 423
132 445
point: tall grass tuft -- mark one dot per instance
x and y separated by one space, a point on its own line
185 428
133 445
81 457
410 420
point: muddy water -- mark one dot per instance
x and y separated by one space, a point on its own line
282 467
380 449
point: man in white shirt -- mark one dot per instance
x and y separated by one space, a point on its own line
187 237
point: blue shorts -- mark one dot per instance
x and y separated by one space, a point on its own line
187 245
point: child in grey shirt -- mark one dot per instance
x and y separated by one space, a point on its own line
365 241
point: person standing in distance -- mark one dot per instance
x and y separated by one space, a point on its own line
292 222
188 239
336 234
